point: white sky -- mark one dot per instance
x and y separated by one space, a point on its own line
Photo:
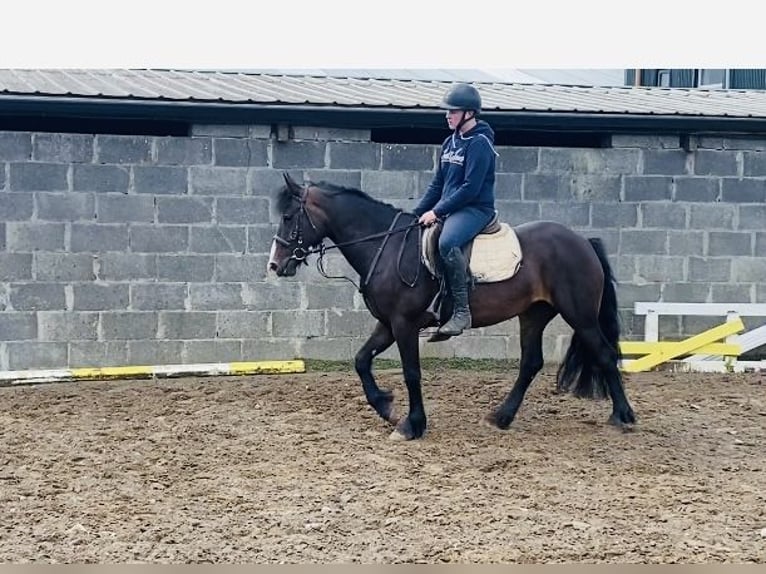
242 34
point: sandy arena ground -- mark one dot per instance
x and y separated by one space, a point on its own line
297 468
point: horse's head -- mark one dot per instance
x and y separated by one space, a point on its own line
298 229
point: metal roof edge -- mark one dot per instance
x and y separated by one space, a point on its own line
351 116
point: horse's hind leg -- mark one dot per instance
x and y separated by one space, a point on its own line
532 323
379 399
606 359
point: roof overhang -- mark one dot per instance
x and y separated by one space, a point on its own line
367 117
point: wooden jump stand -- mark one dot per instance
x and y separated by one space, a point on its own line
715 350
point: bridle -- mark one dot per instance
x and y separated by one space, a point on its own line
301 253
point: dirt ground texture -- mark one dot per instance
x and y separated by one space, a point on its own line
297 468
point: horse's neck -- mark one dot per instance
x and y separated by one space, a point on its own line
350 234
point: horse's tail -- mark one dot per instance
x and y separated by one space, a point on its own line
578 372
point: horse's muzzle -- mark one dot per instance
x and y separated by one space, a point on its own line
288 269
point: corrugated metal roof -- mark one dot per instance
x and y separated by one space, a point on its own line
375 93
570 77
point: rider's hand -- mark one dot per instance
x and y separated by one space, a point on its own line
428 218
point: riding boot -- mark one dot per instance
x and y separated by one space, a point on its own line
457 279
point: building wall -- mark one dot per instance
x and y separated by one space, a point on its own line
120 250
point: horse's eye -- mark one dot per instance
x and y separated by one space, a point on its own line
287 217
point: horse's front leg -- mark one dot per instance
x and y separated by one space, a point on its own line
414 424
380 400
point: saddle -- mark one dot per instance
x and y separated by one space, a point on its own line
493 255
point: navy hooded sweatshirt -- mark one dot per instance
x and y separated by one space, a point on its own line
466 174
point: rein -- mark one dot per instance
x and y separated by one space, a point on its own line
322 249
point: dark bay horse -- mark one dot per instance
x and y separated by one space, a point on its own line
562 273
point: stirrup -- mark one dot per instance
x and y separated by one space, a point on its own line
466 314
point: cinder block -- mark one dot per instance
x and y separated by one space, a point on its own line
15 146
721 243
65 206
38 177
34 236
402 157
63 148
64 266
114 208
663 215
184 210
128 325
711 216
354 155
666 162
218 239
159 239
101 178
240 152
121 149
300 155
161 180
15 267
219 181
517 160
18 326
66 326
35 355
720 163
243 324
155 352
185 268
126 266
697 189
639 242
157 296
100 296
98 238
185 325
184 151
98 354
215 297
212 351
242 210
648 188
743 190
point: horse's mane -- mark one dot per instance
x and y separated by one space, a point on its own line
335 189
285 197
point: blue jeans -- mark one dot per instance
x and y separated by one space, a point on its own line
462 226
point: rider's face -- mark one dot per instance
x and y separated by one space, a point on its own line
454 117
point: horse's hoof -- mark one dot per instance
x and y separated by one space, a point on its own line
623 422
404 430
490 420
398 435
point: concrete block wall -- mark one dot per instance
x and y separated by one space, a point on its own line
118 250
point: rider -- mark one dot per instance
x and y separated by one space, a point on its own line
462 193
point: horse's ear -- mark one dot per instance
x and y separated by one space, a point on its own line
292 185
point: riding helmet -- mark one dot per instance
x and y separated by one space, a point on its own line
462 97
